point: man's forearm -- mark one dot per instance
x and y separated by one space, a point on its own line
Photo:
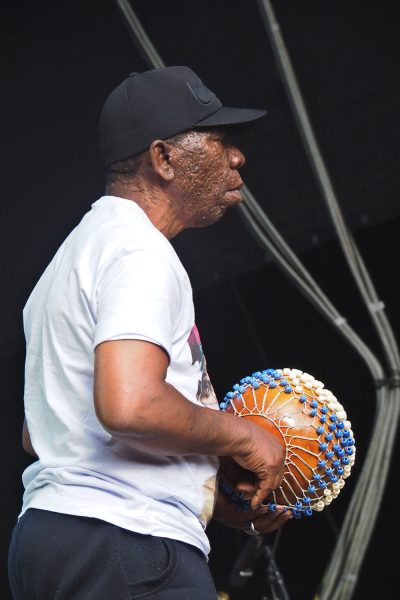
170 424
26 441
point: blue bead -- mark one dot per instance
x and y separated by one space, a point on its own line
346 433
272 507
222 406
340 470
336 463
328 470
322 484
333 478
323 419
241 389
306 500
329 454
228 489
313 412
343 442
277 376
324 410
340 453
265 379
272 384
329 437
314 404
302 398
230 395
332 427
308 512
340 425
350 442
338 433
323 446
243 381
345 460
320 429
256 374
256 385
321 463
336 447
333 418
288 389
316 476
296 514
283 382
349 451
236 387
312 489
299 505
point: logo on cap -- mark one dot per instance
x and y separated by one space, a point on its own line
201 92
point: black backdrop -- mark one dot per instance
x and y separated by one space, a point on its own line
61 59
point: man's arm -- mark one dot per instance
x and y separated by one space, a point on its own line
26 441
139 408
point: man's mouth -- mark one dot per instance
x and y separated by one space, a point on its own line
236 195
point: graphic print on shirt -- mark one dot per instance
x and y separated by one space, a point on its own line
205 391
206 395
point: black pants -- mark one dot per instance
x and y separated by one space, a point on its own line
61 557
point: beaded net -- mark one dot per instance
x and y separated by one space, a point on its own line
313 427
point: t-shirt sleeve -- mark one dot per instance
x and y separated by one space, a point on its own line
138 298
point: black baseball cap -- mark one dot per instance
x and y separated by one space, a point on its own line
158 104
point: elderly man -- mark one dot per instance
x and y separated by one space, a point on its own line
117 398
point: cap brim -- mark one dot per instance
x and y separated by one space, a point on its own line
231 116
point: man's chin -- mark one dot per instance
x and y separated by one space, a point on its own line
208 220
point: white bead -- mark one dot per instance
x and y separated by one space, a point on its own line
308 385
318 391
327 492
298 389
286 371
342 415
347 425
320 505
341 483
327 500
318 384
296 381
331 405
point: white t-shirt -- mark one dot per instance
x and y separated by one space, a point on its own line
115 277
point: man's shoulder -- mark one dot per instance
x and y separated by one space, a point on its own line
116 227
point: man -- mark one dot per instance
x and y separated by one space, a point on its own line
117 397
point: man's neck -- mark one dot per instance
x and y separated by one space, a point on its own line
154 202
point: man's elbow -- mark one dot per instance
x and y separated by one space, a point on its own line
133 417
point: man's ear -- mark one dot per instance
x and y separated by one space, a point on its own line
160 158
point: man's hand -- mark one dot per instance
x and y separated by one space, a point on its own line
264 520
264 458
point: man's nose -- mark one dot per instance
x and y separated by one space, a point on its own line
237 158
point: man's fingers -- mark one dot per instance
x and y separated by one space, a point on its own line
259 496
272 520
